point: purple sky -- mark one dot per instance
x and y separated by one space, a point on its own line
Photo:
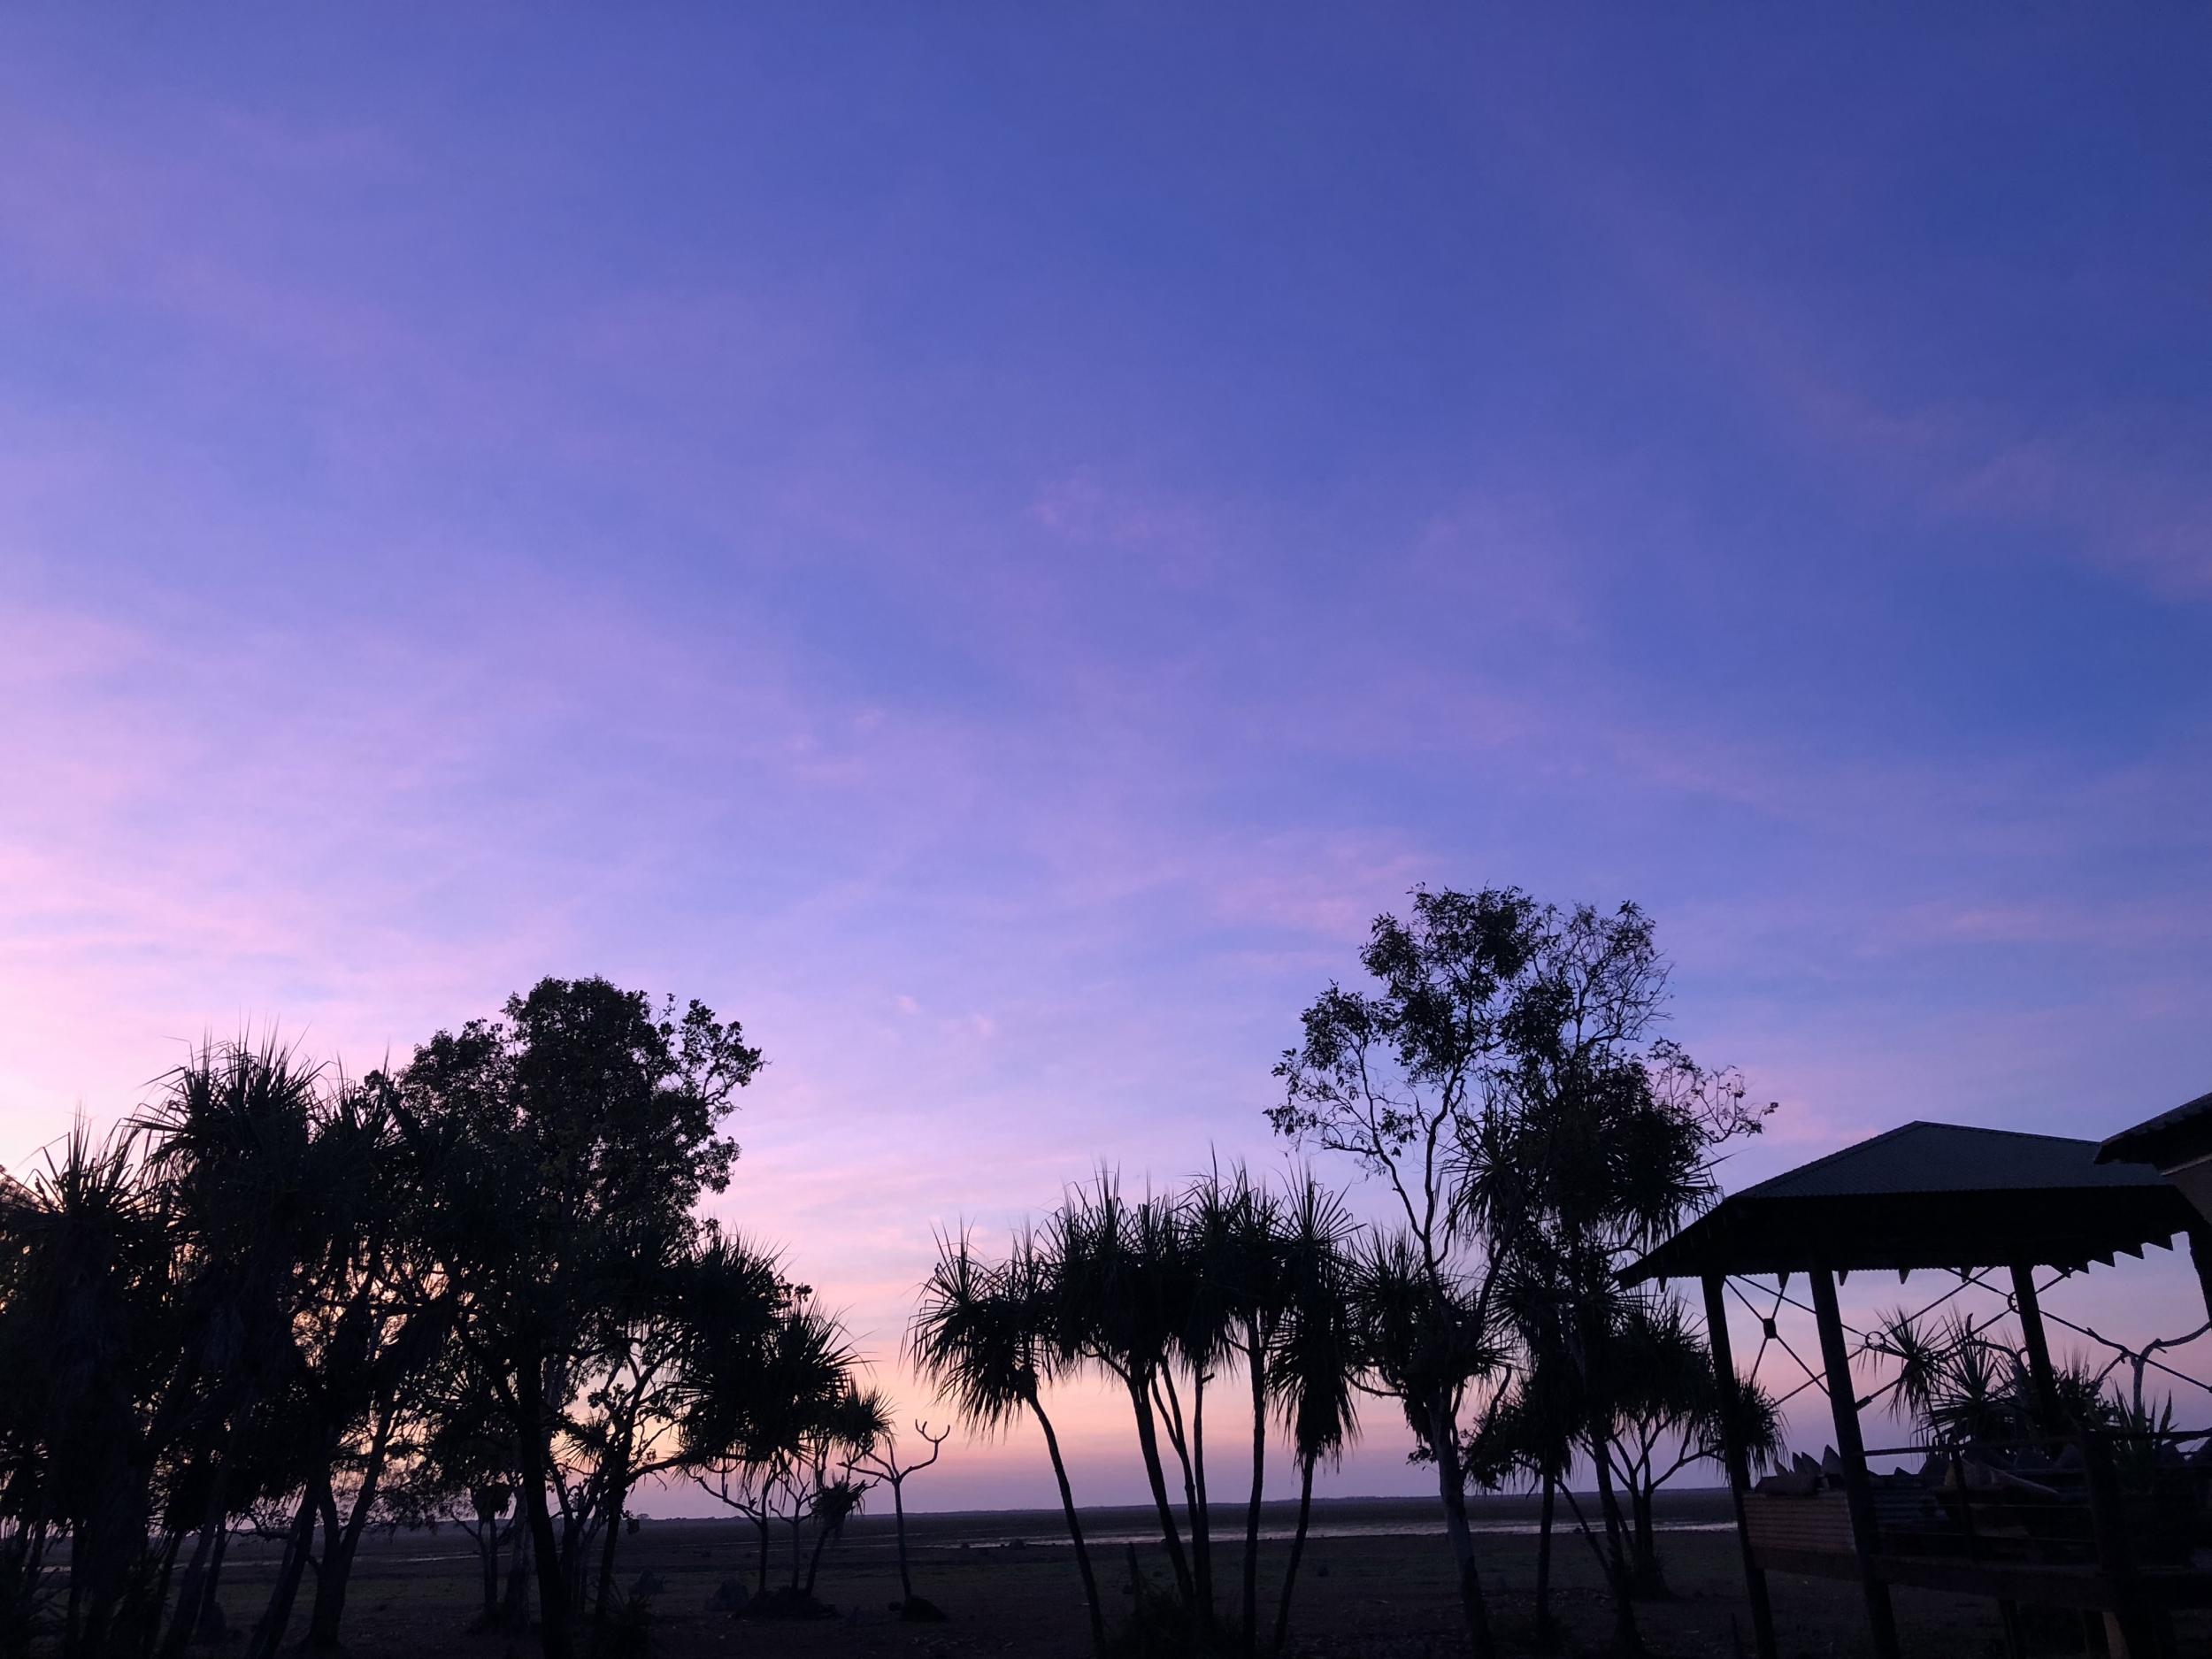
987 544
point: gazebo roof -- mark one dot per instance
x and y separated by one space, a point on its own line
2173 1138
1931 1196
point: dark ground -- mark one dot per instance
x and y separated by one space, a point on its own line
1377 1581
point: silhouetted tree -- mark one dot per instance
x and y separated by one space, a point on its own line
566 1145
768 1408
467 1470
377 1326
879 1461
636 1373
1529 1433
90 1339
1593 1139
1208 1253
234 1140
1122 1284
1245 1257
1315 1355
1391 1077
988 1339
1223 1271
855 1420
1668 1413
739 1359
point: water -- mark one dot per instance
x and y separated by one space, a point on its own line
1340 1529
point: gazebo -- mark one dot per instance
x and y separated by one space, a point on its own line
1977 1202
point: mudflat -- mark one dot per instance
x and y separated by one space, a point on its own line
1377 1581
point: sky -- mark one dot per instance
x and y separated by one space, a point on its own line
988 542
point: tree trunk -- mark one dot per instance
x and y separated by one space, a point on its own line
545 1553
113 1541
330 1594
336 1576
1201 1520
1649 1579
1451 1485
761 1522
268 1634
184 1624
603 1606
898 1527
822 1536
1149 1443
553 1635
515 1610
1543 1557
487 1552
211 1609
1256 1360
1297 1551
1626 1639
172 1544
1075 1526
1169 1404
575 1540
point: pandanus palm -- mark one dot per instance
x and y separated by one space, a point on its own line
1531 1430
1316 1357
848 1424
1593 1147
799 1402
1246 1257
1121 1292
233 1141
1426 1338
750 1377
988 1337
86 1330
1219 1271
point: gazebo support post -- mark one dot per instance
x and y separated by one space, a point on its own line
1739 1464
2200 1257
2039 1372
2048 1418
1843 1400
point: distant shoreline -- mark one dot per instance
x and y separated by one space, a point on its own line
1688 1506
966 1533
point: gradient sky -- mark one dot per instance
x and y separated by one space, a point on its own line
988 542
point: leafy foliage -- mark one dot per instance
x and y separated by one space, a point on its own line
474 1286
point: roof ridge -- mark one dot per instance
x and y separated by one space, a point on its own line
1857 1148
1829 1158
2013 1134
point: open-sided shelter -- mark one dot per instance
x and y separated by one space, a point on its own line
1943 1197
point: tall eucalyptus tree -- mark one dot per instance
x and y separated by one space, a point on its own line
1596 1138
1391 1077
566 1145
